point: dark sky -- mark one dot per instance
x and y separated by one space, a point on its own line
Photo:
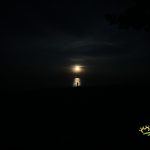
40 40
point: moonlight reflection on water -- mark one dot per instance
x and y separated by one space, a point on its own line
76 82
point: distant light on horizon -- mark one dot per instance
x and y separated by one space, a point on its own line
77 69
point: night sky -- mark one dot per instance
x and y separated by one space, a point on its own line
40 40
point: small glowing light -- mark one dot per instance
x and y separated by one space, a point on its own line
77 69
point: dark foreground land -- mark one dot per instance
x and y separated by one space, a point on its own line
75 118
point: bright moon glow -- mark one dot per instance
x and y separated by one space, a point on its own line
77 69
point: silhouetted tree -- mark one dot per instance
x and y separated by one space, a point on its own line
137 16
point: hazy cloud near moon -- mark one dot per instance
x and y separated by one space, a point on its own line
67 47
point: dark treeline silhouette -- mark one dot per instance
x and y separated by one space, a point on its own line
136 16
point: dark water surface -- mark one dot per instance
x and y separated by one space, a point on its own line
71 118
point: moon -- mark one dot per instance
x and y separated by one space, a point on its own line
77 69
